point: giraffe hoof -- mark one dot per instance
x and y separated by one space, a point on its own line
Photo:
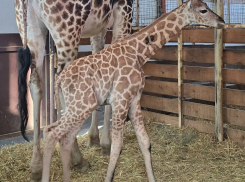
37 176
106 150
94 142
83 166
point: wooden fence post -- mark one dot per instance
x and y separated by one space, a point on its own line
46 84
180 45
53 113
137 13
218 75
163 4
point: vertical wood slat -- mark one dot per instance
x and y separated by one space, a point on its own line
47 89
137 13
219 131
51 80
163 4
180 65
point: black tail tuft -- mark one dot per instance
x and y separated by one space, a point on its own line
24 59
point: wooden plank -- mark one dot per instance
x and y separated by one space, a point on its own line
170 71
166 119
230 96
198 110
231 116
86 41
193 73
199 92
236 135
200 126
219 131
207 74
234 97
160 87
168 53
234 56
233 134
198 73
234 76
234 116
173 121
160 70
200 55
159 103
230 36
193 36
83 54
180 77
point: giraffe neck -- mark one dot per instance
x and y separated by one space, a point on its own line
154 37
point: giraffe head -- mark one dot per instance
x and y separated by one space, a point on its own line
200 13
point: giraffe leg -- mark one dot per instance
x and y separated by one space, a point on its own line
105 141
66 143
97 44
76 156
93 132
49 141
117 142
136 118
65 151
37 33
66 128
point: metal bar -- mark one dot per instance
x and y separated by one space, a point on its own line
219 131
137 13
180 63
53 113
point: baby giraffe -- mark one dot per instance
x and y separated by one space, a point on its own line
115 76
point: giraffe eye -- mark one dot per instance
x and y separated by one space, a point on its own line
203 11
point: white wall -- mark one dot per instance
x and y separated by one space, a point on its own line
7 17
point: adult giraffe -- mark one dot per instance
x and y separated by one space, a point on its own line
67 21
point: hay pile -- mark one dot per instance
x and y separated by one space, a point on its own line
178 155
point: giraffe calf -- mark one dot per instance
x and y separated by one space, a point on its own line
115 75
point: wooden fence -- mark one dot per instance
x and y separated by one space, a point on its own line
160 97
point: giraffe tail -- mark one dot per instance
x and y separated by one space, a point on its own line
24 59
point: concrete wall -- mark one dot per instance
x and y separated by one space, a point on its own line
7 17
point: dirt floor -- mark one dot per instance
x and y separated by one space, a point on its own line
177 155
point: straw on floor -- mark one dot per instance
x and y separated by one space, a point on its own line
177 155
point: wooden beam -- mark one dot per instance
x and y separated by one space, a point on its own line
137 13
207 93
161 87
219 131
200 55
236 135
166 119
233 134
159 103
83 54
193 36
194 73
229 35
180 65
86 41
